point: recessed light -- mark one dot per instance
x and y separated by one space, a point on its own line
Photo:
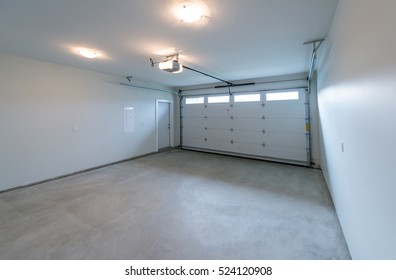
88 53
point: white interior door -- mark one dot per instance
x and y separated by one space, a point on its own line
163 112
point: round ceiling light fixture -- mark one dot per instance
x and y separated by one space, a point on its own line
189 12
88 53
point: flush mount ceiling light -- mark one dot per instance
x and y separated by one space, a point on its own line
190 11
88 53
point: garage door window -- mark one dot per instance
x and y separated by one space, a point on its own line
219 99
247 98
282 96
194 100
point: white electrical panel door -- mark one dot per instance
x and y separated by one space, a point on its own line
268 125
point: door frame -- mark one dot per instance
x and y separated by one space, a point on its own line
171 122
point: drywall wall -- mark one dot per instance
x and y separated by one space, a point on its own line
356 100
55 120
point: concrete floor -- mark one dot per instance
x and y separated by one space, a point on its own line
175 205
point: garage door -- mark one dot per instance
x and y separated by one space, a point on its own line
267 125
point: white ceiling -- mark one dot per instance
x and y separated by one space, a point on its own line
242 39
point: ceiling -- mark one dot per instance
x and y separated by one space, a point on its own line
239 39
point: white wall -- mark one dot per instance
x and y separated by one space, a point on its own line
357 106
40 103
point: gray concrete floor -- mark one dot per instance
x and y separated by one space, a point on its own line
175 205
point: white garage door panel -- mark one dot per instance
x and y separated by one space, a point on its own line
218 145
194 142
247 110
219 134
266 129
290 125
284 111
217 110
193 110
286 153
220 123
286 139
248 123
249 137
249 149
194 132
274 152
270 152
194 122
